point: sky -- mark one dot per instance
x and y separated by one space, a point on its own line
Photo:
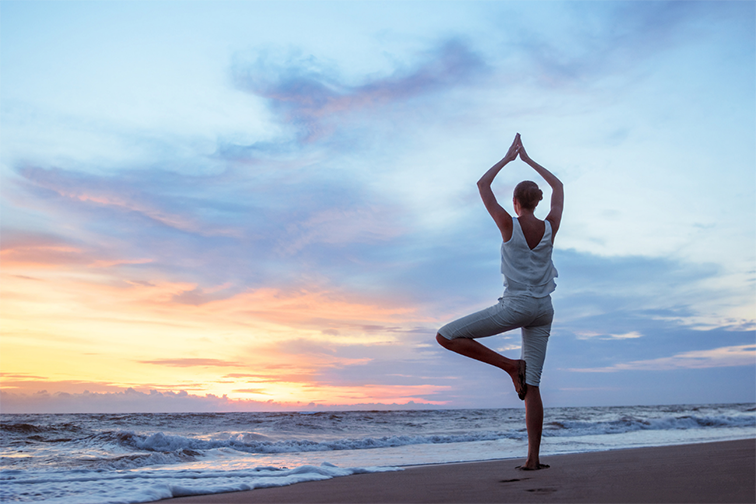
261 206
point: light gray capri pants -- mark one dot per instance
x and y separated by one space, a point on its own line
533 315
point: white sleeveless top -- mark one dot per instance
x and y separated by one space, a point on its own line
528 272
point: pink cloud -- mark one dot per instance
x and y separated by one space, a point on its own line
95 193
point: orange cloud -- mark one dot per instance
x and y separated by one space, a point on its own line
102 263
192 363
313 308
77 328
43 256
32 250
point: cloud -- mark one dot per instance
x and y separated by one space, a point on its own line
315 308
22 248
245 226
192 362
314 99
135 192
27 249
130 400
591 334
244 375
38 386
631 292
730 356
126 401
597 41
102 263
20 376
341 227
199 296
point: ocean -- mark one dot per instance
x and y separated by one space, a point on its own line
125 458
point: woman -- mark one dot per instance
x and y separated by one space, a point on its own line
528 280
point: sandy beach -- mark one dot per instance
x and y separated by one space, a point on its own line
708 472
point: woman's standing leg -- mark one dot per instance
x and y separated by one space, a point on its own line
534 424
535 339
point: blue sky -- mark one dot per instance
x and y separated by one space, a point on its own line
275 202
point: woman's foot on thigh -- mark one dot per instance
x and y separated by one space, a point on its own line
517 373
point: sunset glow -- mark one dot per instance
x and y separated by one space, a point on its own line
222 206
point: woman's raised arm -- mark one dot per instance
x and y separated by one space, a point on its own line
500 216
557 190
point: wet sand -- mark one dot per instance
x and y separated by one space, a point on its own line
709 472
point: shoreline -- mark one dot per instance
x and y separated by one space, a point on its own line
723 471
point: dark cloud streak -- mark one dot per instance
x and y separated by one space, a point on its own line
313 99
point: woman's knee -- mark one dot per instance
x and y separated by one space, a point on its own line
442 340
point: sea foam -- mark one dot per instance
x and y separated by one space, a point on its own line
146 457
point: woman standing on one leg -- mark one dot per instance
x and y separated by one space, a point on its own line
528 280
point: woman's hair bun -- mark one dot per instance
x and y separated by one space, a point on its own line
528 194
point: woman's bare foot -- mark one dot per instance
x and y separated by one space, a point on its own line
518 378
534 467
473 349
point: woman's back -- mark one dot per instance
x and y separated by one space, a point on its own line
533 229
527 267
